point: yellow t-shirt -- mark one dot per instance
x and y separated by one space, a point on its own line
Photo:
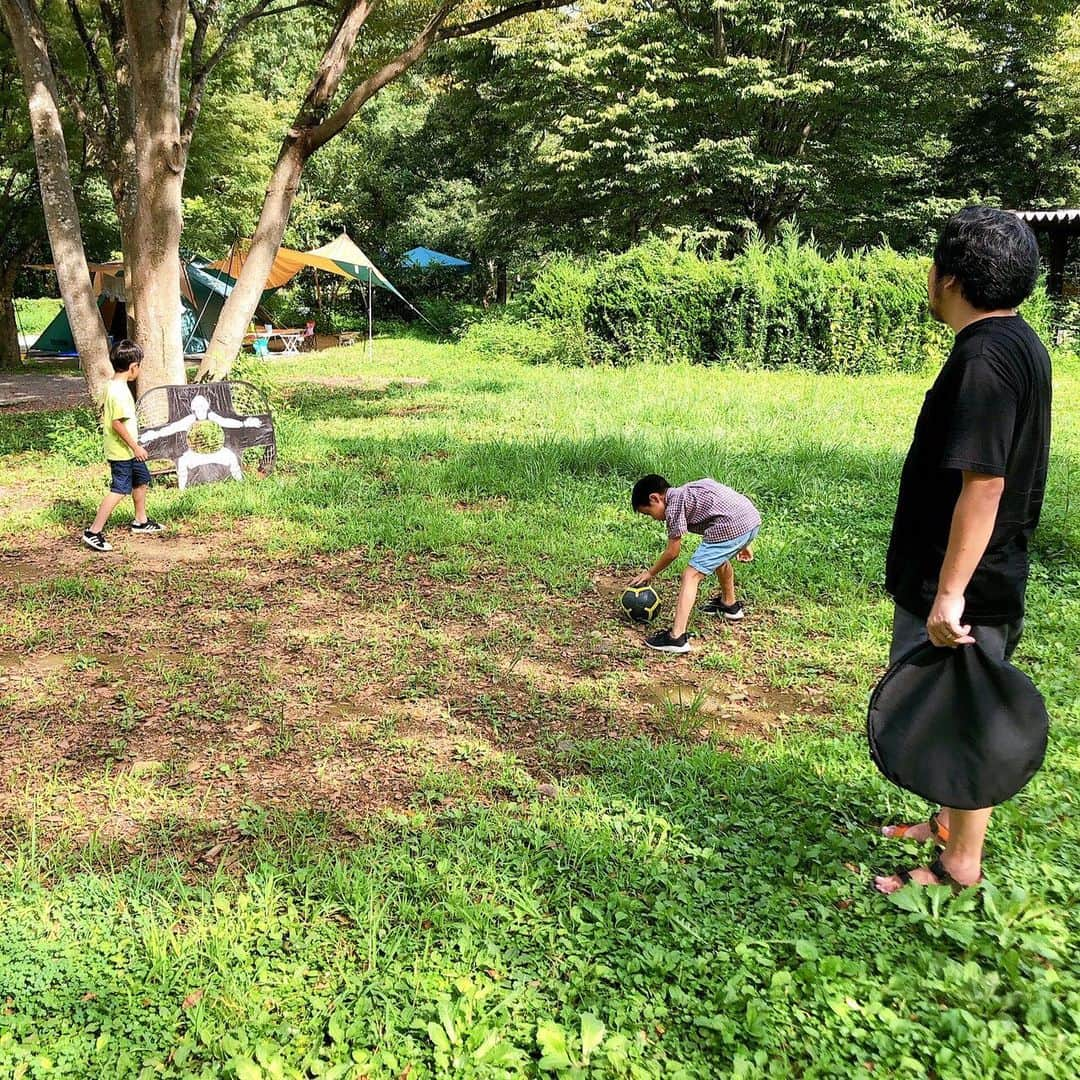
119 405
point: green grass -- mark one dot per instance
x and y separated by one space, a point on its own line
694 905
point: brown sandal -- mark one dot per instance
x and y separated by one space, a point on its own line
938 832
943 877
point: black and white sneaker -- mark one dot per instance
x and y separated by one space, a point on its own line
716 606
664 642
148 526
96 541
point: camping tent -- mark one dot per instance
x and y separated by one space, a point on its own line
340 256
202 295
422 258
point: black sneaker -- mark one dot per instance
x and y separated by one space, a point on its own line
664 642
148 526
96 541
716 606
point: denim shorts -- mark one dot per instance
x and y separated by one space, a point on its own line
128 474
711 555
909 630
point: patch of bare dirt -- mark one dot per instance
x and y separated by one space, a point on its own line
226 683
50 557
38 391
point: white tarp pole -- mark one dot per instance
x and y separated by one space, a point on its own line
370 300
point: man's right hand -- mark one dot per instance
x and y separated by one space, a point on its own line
141 453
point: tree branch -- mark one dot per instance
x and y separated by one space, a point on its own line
200 69
321 133
497 17
202 15
92 55
74 101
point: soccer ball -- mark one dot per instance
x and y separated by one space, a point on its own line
640 603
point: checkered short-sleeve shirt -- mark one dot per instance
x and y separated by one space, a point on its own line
715 512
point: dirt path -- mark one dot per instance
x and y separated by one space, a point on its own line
32 391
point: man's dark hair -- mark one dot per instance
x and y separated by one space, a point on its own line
992 254
646 486
124 354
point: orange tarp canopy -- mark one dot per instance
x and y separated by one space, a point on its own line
340 256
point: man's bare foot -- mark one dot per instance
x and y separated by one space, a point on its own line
958 876
919 832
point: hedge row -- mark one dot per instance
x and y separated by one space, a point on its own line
770 306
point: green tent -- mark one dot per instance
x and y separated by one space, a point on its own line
203 292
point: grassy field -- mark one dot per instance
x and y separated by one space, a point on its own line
356 772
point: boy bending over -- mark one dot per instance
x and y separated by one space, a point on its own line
727 523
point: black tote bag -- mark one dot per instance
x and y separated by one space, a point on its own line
957 726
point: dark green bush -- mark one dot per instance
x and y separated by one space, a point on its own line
771 306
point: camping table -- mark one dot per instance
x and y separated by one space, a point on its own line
291 340
349 337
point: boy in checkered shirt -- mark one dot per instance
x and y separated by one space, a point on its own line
727 523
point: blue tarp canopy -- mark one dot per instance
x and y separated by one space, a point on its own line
422 258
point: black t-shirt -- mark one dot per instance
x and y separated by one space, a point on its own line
987 412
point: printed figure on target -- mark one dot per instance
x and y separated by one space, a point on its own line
209 431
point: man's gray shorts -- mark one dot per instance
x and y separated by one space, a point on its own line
910 630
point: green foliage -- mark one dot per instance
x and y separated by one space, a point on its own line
74 434
562 290
504 339
34 315
770 306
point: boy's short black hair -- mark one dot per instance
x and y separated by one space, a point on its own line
646 486
125 354
992 254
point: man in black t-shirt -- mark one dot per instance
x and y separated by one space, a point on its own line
972 486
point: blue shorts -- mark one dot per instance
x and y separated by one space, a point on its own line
711 555
127 475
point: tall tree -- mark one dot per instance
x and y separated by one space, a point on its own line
318 120
30 45
1058 104
21 225
138 99
704 119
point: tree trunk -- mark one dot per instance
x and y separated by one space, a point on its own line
10 355
155 34
239 308
310 130
57 196
502 292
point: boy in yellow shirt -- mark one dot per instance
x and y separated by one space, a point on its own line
126 458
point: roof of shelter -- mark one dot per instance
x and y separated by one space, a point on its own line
340 256
1049 217
422 258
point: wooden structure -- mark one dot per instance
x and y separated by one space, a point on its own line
1059 227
